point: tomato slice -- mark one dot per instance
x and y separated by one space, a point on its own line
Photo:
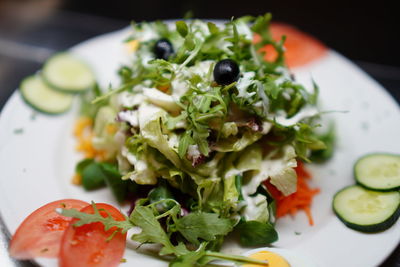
41 232
301 48
88 244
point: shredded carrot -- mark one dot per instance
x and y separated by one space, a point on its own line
77 179
83 132
300 200
164 88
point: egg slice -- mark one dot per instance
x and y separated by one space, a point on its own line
279 257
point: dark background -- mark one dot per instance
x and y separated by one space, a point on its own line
31 30
361 30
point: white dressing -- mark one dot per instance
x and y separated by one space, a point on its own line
279 170
243 84
129 116
306 112
158 98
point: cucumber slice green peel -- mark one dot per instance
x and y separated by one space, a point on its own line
378 171
68 73
41 97
366 210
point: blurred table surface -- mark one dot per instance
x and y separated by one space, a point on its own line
23 49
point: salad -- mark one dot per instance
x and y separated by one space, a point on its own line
202 133
199 122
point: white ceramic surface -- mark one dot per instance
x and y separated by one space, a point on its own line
37 158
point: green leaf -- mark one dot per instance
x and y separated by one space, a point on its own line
329 140
161 192
231 194
202 225
238 184
82 165
189 43
182 28
254 233
152 232
114 181
200 138
184 143
240 260
212 28
86 218
152 134
228 129
261 26
190 258
236 143
162 29
280 170
93 176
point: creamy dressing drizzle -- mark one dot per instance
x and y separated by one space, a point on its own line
306 112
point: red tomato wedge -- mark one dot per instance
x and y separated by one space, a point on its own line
88 245
41 232
301 48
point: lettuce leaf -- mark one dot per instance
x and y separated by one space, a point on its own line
161 99
249 159
256 209
228 129
103 130
278 167
237 143
150 121
143 172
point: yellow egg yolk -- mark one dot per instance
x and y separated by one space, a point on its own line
274 260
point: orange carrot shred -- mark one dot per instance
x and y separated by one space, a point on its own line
299 200
83 132
309 216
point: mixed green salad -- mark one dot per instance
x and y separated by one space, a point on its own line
198 123
205 136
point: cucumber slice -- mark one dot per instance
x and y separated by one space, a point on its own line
365 210
379 172
67 73
41 97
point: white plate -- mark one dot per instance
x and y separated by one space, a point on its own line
37 158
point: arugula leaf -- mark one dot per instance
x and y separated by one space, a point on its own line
184 143
152 232
254 233
202 225
212 28
202 257
261 26
182 28
190 258
161 192
329 139
86 218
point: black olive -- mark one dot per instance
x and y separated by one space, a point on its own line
163 49
226 72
